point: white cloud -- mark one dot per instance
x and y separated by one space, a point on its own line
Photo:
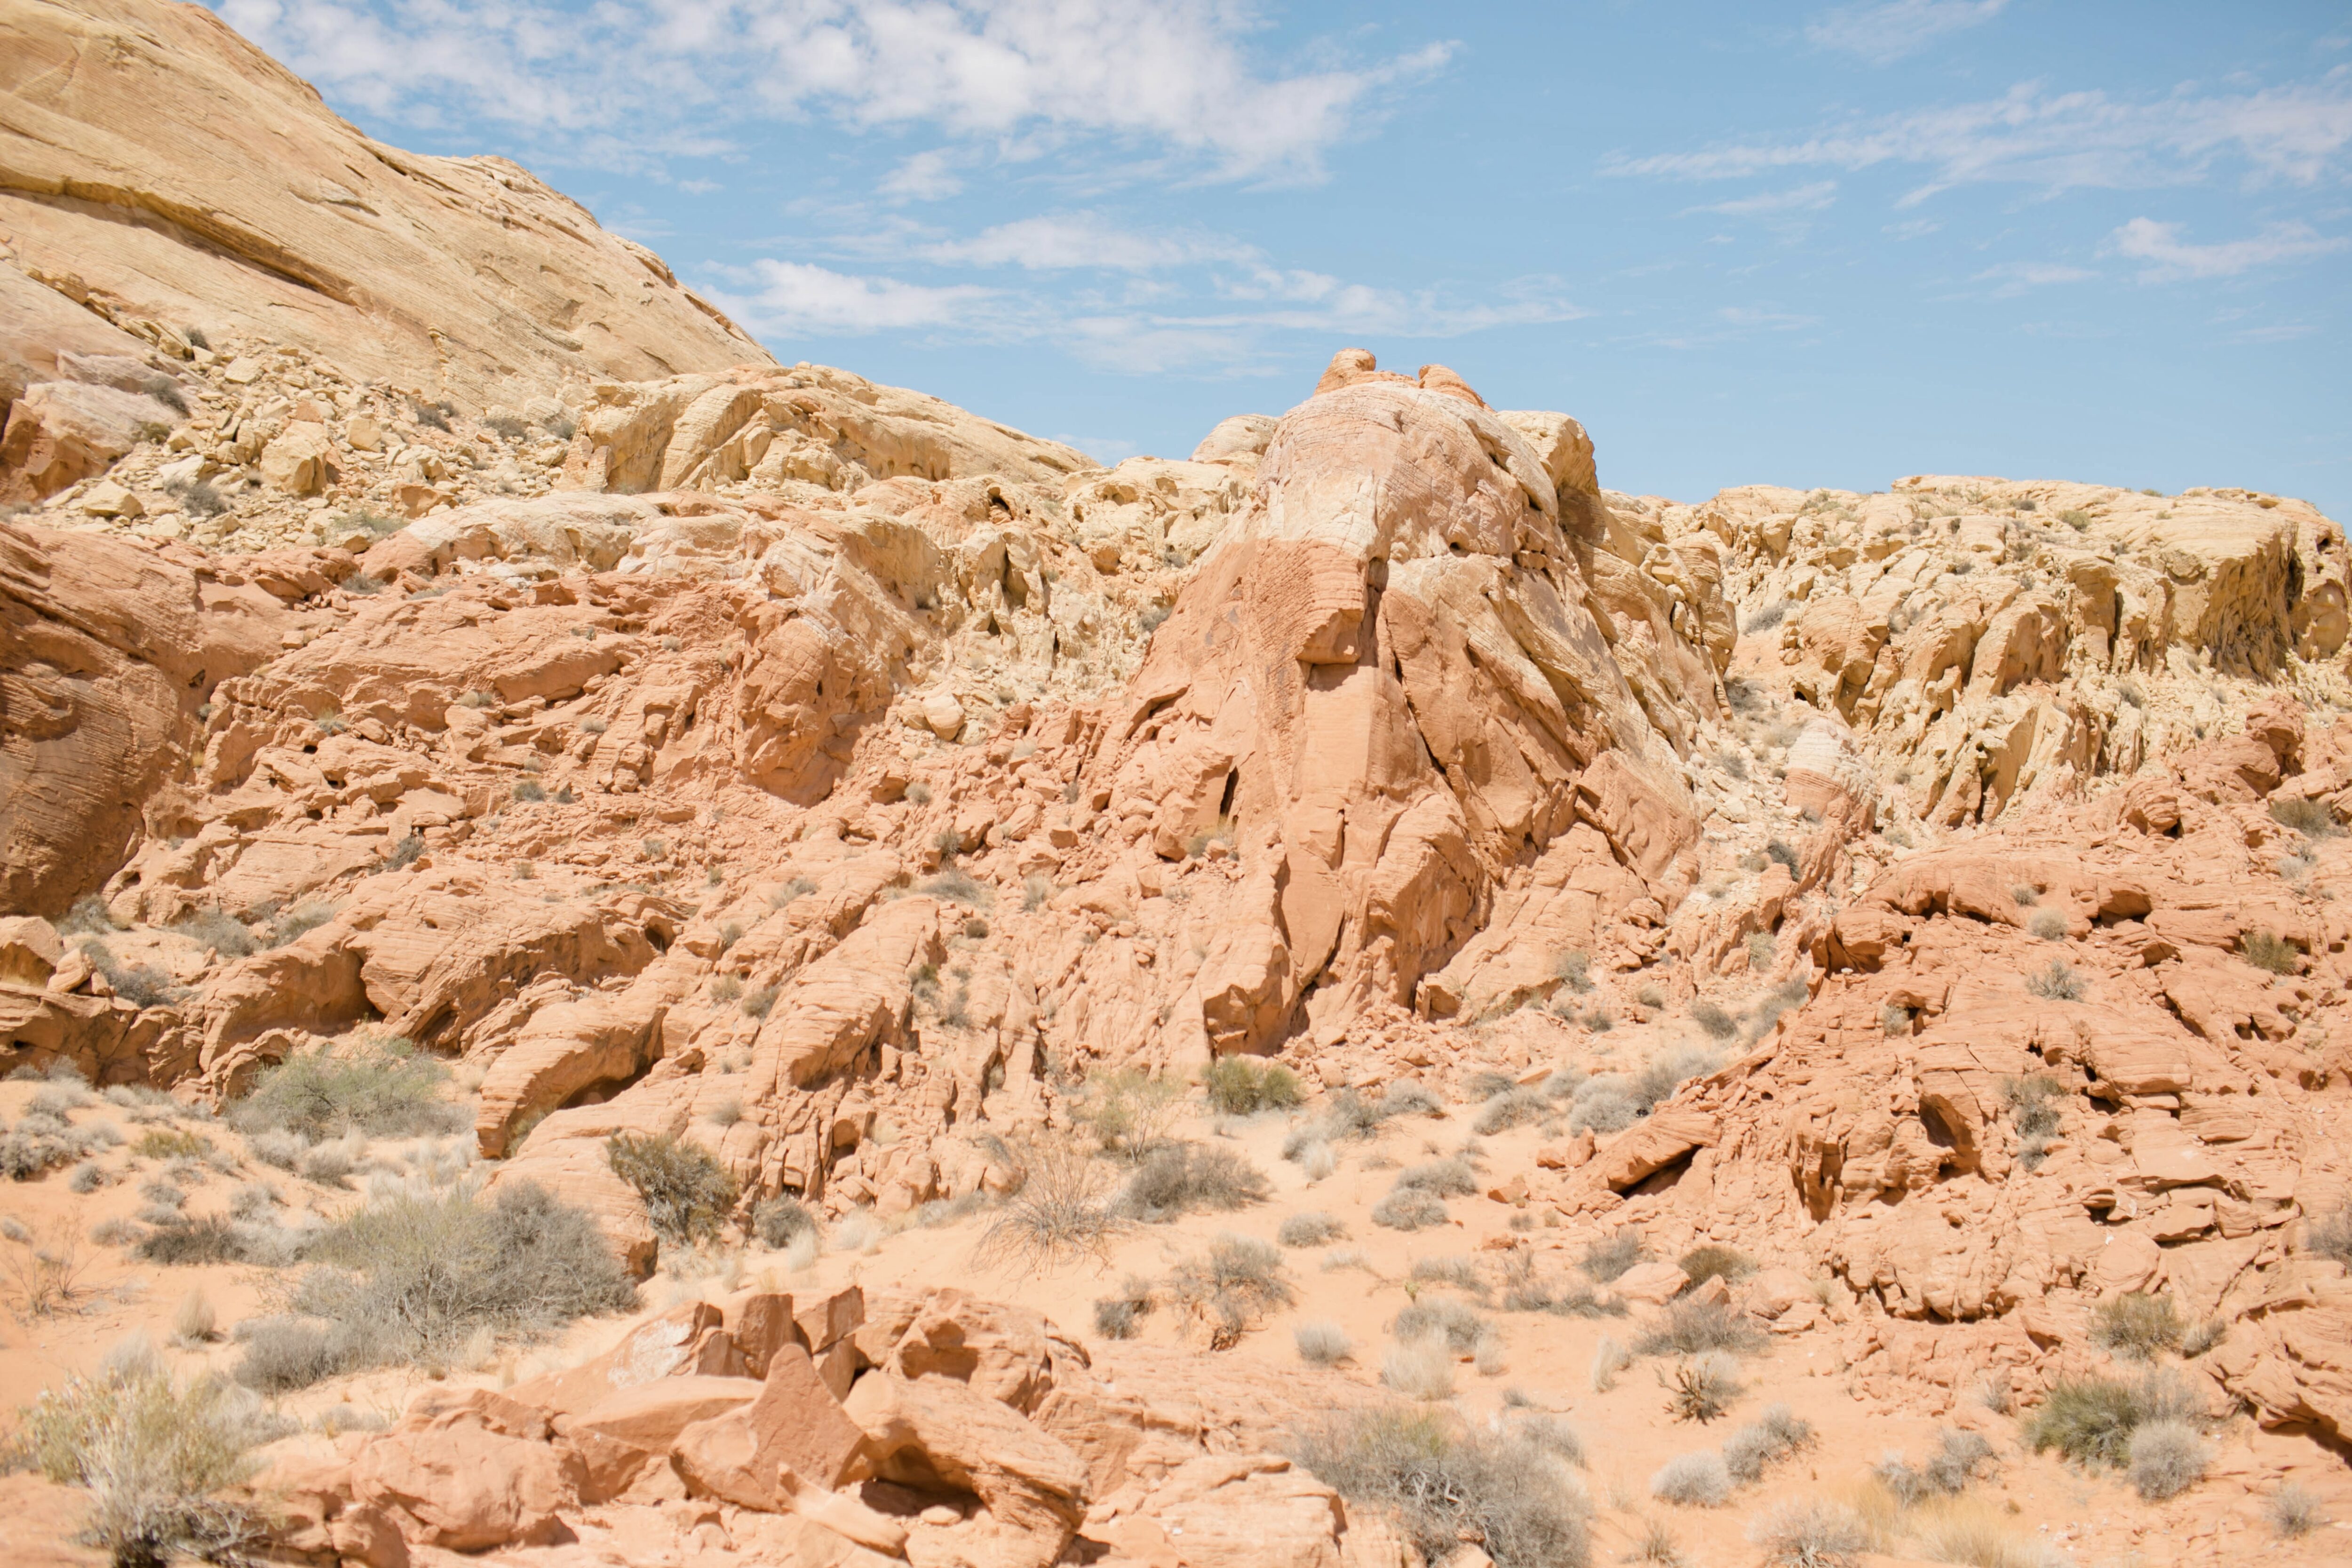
1084 240
2061 141
1887 32
792 298
2015 277
1223 323
1770 203
1173 73
924 177
2172 257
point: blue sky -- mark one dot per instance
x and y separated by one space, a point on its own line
1807 244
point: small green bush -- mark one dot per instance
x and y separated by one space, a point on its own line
2312 818
2137 1326
2089 1420
1240 1086
383 1088
687 1191
1130 1111
2266 950
1713 1261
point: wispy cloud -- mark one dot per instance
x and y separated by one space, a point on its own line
2015 277
1084 240
2061 141
2171 257
1775 203
793 297
1884 33
927 176
1174 74
1224 320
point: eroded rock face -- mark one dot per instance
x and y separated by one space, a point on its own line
136 188
1387 681
110 650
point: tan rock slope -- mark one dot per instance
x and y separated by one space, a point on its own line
161 174
1894 930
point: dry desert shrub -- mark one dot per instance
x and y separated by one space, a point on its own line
2312 818
1230 1286
1179 1178
1441 1318
1772 1437
1322 1343
777 1220
1692 1327
1130 1112
1609 1257
1120 1314
1693 1481
1702 1387
1959 1456
1715 1261
2294 1511
687 1193
1444 1486
383 1089
2167 1457
154 1456
2137 1326
1240 1086
2089 1420
44 1268
1062 1210
2267 951
1608 1358
2059 983
413 1277
1310 1227
1510 1107
1409 1208
1422 1369
1808 1533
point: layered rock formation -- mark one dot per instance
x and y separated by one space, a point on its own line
1929 893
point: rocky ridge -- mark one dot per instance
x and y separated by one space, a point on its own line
1926 896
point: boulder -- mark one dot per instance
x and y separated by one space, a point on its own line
794 1424
934 1430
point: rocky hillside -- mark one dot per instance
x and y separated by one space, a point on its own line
914 939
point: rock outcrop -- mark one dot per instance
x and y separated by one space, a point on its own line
161 174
